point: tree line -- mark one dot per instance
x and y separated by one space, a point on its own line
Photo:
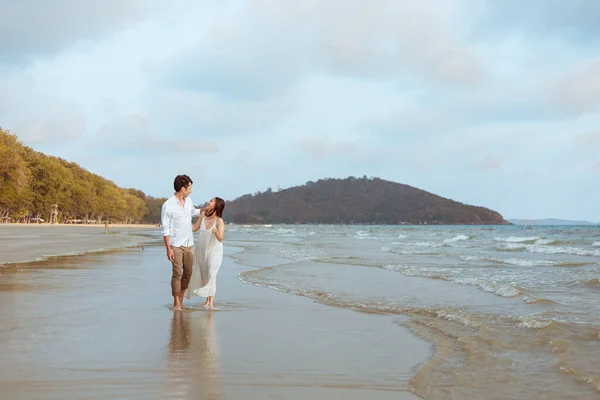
31 183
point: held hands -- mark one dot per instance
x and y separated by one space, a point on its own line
214 231
170 254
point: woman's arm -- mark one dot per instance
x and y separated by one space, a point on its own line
198 222
219 230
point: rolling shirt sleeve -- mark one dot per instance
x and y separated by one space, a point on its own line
165 219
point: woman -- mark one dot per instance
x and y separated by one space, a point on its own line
208 253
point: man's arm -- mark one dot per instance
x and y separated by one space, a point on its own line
165 219
195 211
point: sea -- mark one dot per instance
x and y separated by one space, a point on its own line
513 312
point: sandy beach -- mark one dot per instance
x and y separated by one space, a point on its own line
36 242
99 326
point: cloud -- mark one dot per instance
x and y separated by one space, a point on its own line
491 162
30 28
574 19
55 130
346 150
206 115
589 139
595 167
135 134
580 91
267 47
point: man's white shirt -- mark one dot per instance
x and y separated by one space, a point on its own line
177 221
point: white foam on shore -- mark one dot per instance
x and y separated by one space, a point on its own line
544 246
517 239
411 252
486 285
534 322
519 262
563 250
458 317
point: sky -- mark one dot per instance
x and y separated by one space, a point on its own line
491 103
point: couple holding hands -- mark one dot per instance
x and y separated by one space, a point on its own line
195 268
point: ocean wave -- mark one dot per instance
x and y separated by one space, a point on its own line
517 239
486 285
545 246
516 247
519 262
460 317
297 253
459 238
256 278
420 244
537 300
581 377
596 244
563 250
410 252
365 235
591 282
534 322
285 231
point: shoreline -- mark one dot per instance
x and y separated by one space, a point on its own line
46 225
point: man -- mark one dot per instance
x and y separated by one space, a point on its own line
176 216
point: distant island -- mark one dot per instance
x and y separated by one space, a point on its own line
550 221
355 201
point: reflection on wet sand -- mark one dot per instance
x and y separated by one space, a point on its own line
193 356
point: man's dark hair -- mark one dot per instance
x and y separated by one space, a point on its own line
181 181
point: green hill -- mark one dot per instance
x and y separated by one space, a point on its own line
355 201
32 182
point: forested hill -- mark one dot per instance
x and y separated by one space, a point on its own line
31 182
355 201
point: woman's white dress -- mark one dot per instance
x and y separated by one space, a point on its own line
208 255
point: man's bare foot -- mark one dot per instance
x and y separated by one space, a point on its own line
177 308
177 302
181 299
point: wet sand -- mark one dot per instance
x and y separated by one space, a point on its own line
34 242
99 326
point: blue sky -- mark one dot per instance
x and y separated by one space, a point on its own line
493 103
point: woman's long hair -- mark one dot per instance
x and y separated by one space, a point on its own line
219 207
